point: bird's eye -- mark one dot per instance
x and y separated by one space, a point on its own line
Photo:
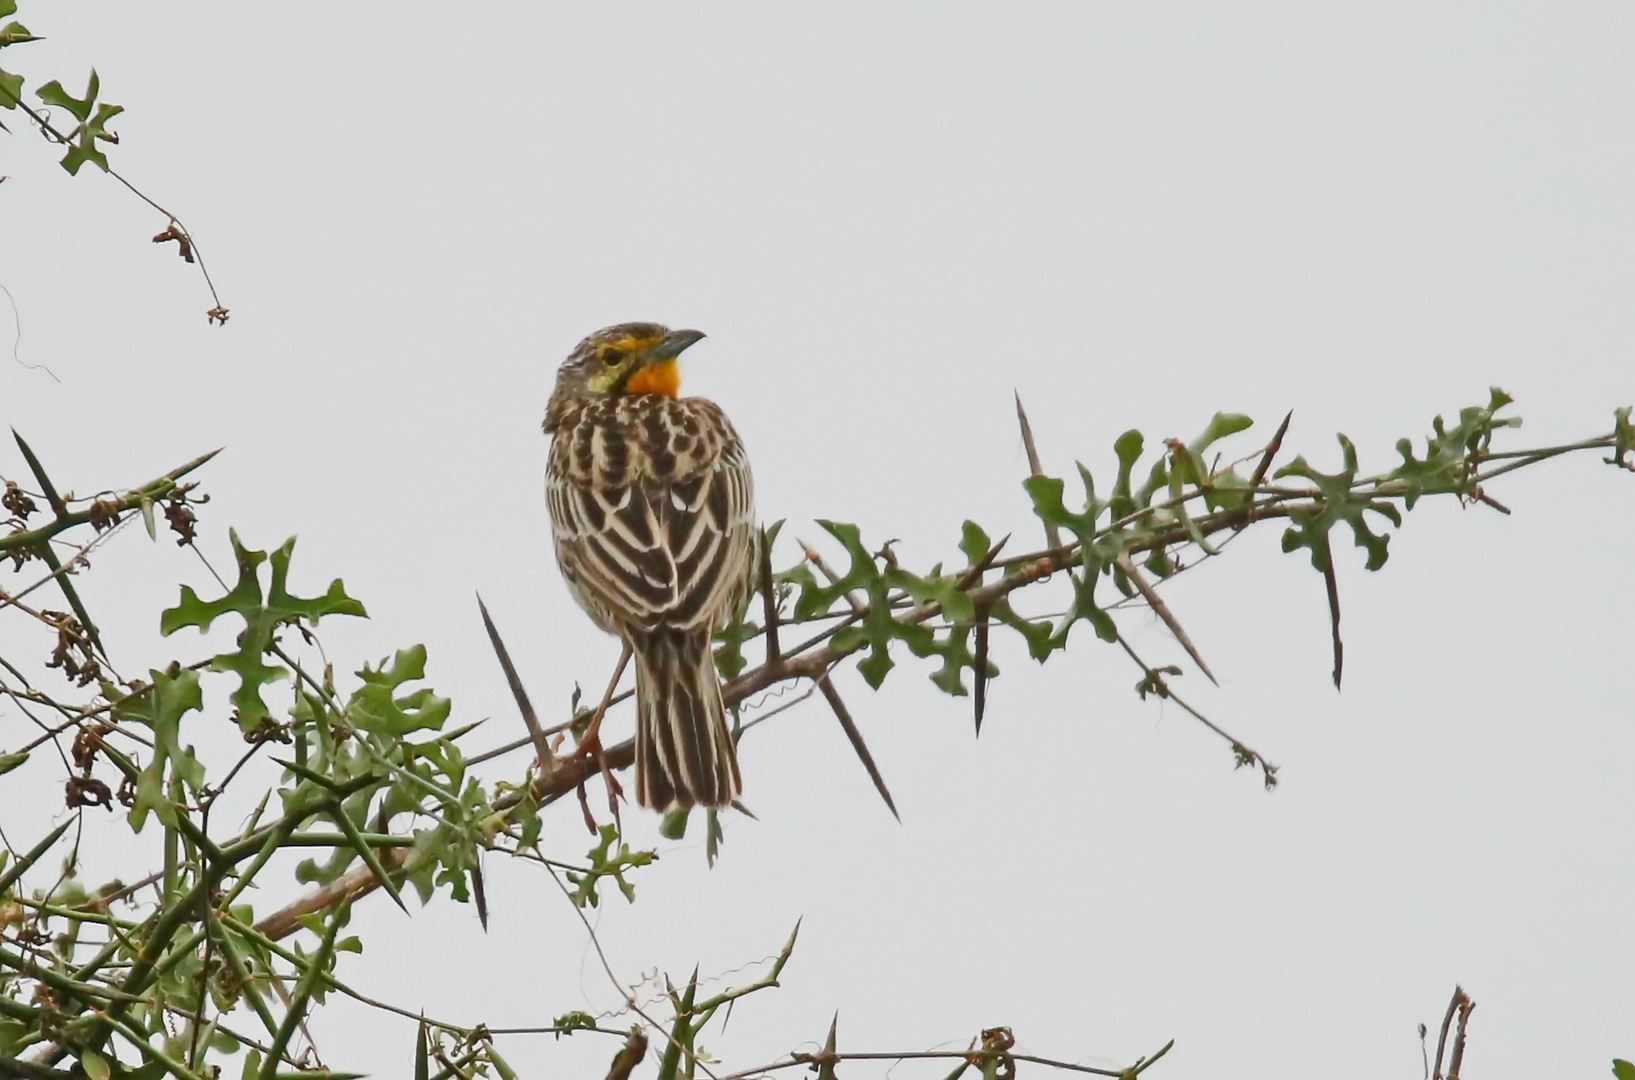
612 356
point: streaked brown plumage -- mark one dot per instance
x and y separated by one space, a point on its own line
653 512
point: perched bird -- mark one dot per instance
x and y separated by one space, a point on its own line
653 513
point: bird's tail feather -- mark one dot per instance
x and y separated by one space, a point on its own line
684 752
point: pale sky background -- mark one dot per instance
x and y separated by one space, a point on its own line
888 217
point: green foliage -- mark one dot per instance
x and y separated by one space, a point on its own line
604 863
160 708
1623 439
568 1023
262 616
877 577
93 117
1452 456
374 708
12 33
91 128
373 780
1337 499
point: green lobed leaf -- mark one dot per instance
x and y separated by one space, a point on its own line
1335 501
262 615
1451 455
1048 506
53 93
375 707
878 628
161 707
574 1021
1096 555
1220 426
93 117
1128 449
973 543
604 862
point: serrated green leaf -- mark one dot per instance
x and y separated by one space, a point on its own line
1622 1069
8 8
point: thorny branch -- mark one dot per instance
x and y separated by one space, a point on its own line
341 765
815 658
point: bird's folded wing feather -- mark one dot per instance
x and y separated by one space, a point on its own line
662 553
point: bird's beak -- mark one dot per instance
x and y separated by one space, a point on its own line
674 342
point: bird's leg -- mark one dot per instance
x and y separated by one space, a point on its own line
591 743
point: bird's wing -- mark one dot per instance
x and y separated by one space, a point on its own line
613 550
709 522
654 553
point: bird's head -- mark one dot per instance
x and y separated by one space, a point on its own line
631 358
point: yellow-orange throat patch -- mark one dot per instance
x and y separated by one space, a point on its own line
660 378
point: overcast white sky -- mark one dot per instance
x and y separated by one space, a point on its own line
887 218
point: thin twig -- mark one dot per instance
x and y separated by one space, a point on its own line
1458 1058
217 313
624 991
1154 682
592 740
554 729
948 1055
1447 1023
